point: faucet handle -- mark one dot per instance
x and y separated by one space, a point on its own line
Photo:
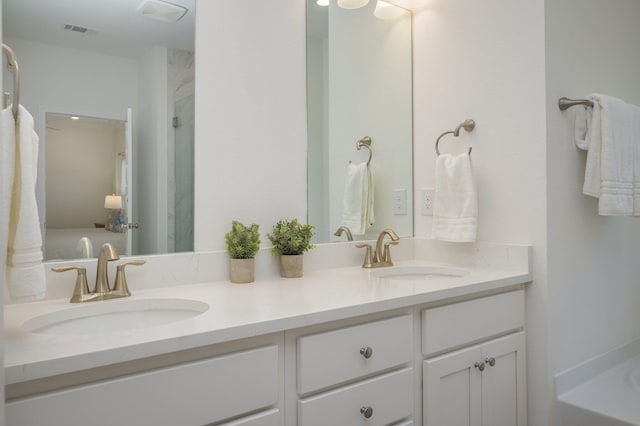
120 287
81 290
367 255
386 256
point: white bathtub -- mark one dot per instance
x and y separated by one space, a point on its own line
604 391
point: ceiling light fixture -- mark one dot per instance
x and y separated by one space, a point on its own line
352 4
385 10
162 10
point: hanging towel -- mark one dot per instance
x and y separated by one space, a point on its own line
455 209
610 133
25 271
357 213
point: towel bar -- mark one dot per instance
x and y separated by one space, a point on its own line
566 103
467 125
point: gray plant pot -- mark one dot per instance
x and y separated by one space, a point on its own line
241 271
291 265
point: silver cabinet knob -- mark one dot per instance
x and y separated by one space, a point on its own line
479 366
366 352
366 412
491 361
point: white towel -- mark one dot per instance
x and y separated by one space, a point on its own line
357 213
455 209
610 133
25 271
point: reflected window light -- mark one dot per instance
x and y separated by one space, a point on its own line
322 2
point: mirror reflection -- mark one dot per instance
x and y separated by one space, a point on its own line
122 68
359 87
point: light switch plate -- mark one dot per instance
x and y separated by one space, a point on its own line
400 202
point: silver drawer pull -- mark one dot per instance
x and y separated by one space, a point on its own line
491 361
366 412
366 352
479 366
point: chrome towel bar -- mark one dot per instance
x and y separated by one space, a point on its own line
566 103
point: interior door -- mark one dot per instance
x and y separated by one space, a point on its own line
128 187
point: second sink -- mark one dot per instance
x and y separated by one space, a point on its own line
416 273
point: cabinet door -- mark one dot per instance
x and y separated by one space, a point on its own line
452 389
504 383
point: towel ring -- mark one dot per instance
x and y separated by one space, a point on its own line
467 125
365 142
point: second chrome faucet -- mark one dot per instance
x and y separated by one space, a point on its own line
102 289
379 258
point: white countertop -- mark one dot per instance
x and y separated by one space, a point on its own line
235 311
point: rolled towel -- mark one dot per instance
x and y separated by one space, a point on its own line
455 209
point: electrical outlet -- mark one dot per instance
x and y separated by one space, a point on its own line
428 196
400 202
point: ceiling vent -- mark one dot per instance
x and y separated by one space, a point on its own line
162 11
75 28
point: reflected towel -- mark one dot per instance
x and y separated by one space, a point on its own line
25 271
455 209
610 133
357 213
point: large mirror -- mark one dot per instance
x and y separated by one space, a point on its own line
359 85
110 84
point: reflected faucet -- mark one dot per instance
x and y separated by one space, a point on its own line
345 230
107 254
102 290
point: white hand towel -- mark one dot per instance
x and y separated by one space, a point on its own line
611 135
455 209
25 271
7 171
357 213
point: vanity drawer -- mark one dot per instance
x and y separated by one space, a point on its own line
333 357
195 393
389 396
456 325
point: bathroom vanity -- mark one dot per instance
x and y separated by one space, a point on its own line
427 344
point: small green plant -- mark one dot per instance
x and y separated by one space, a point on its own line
290 237
242 242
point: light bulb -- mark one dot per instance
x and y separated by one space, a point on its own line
352 4
386 10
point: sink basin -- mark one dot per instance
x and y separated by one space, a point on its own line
418 273
115 315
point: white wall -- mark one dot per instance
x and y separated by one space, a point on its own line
485 60
251 136
594 284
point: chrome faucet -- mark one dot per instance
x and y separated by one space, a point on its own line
380 258
102 290
345 230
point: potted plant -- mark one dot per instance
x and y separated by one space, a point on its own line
290 240
242 244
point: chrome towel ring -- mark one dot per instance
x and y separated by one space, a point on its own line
365 142
467 125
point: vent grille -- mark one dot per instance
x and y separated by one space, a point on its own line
76 28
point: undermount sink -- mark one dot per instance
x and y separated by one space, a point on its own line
115 315
418 273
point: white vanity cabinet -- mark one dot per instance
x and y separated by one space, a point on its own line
193 393
354 375
475 378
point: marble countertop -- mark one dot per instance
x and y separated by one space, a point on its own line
235 311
